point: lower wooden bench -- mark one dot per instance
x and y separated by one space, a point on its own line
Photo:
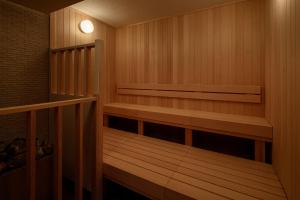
163 170
255 128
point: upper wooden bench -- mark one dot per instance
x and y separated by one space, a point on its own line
249 127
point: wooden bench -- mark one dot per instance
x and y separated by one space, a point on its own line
254 128
164 170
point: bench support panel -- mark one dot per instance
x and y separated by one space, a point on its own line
141 127
188 137
260 151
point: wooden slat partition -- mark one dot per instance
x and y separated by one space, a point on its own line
246 94
90 45
72 72
31 151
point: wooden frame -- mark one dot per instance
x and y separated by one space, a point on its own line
31 135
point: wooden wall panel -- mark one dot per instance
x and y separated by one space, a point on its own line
217 46
64 32
283 89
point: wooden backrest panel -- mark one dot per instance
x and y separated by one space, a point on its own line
246 94
234 89
217 46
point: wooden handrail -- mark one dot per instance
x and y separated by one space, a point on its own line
31 110
90 45
41 106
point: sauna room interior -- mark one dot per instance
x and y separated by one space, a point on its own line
137 100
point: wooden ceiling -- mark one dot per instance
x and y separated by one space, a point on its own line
47 6
122 12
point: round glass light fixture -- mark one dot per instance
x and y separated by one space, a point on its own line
86 26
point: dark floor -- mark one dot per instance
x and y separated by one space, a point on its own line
112 191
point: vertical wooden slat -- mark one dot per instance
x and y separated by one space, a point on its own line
31 152
76 70
79 152
260 151
53 67
71 73
90 72
97 169
58 153
188 137
67 71
106 120
141 127
59 55
80 73
63 73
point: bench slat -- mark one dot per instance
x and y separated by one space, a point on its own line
163 170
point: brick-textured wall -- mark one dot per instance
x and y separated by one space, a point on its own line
24 66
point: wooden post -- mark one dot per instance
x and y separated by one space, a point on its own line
79 152
141 127
97 157
98 133
260 147
105 120
58 153
31 153
188 137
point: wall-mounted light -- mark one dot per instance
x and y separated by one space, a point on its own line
86 26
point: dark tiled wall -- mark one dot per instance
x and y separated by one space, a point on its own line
24 63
